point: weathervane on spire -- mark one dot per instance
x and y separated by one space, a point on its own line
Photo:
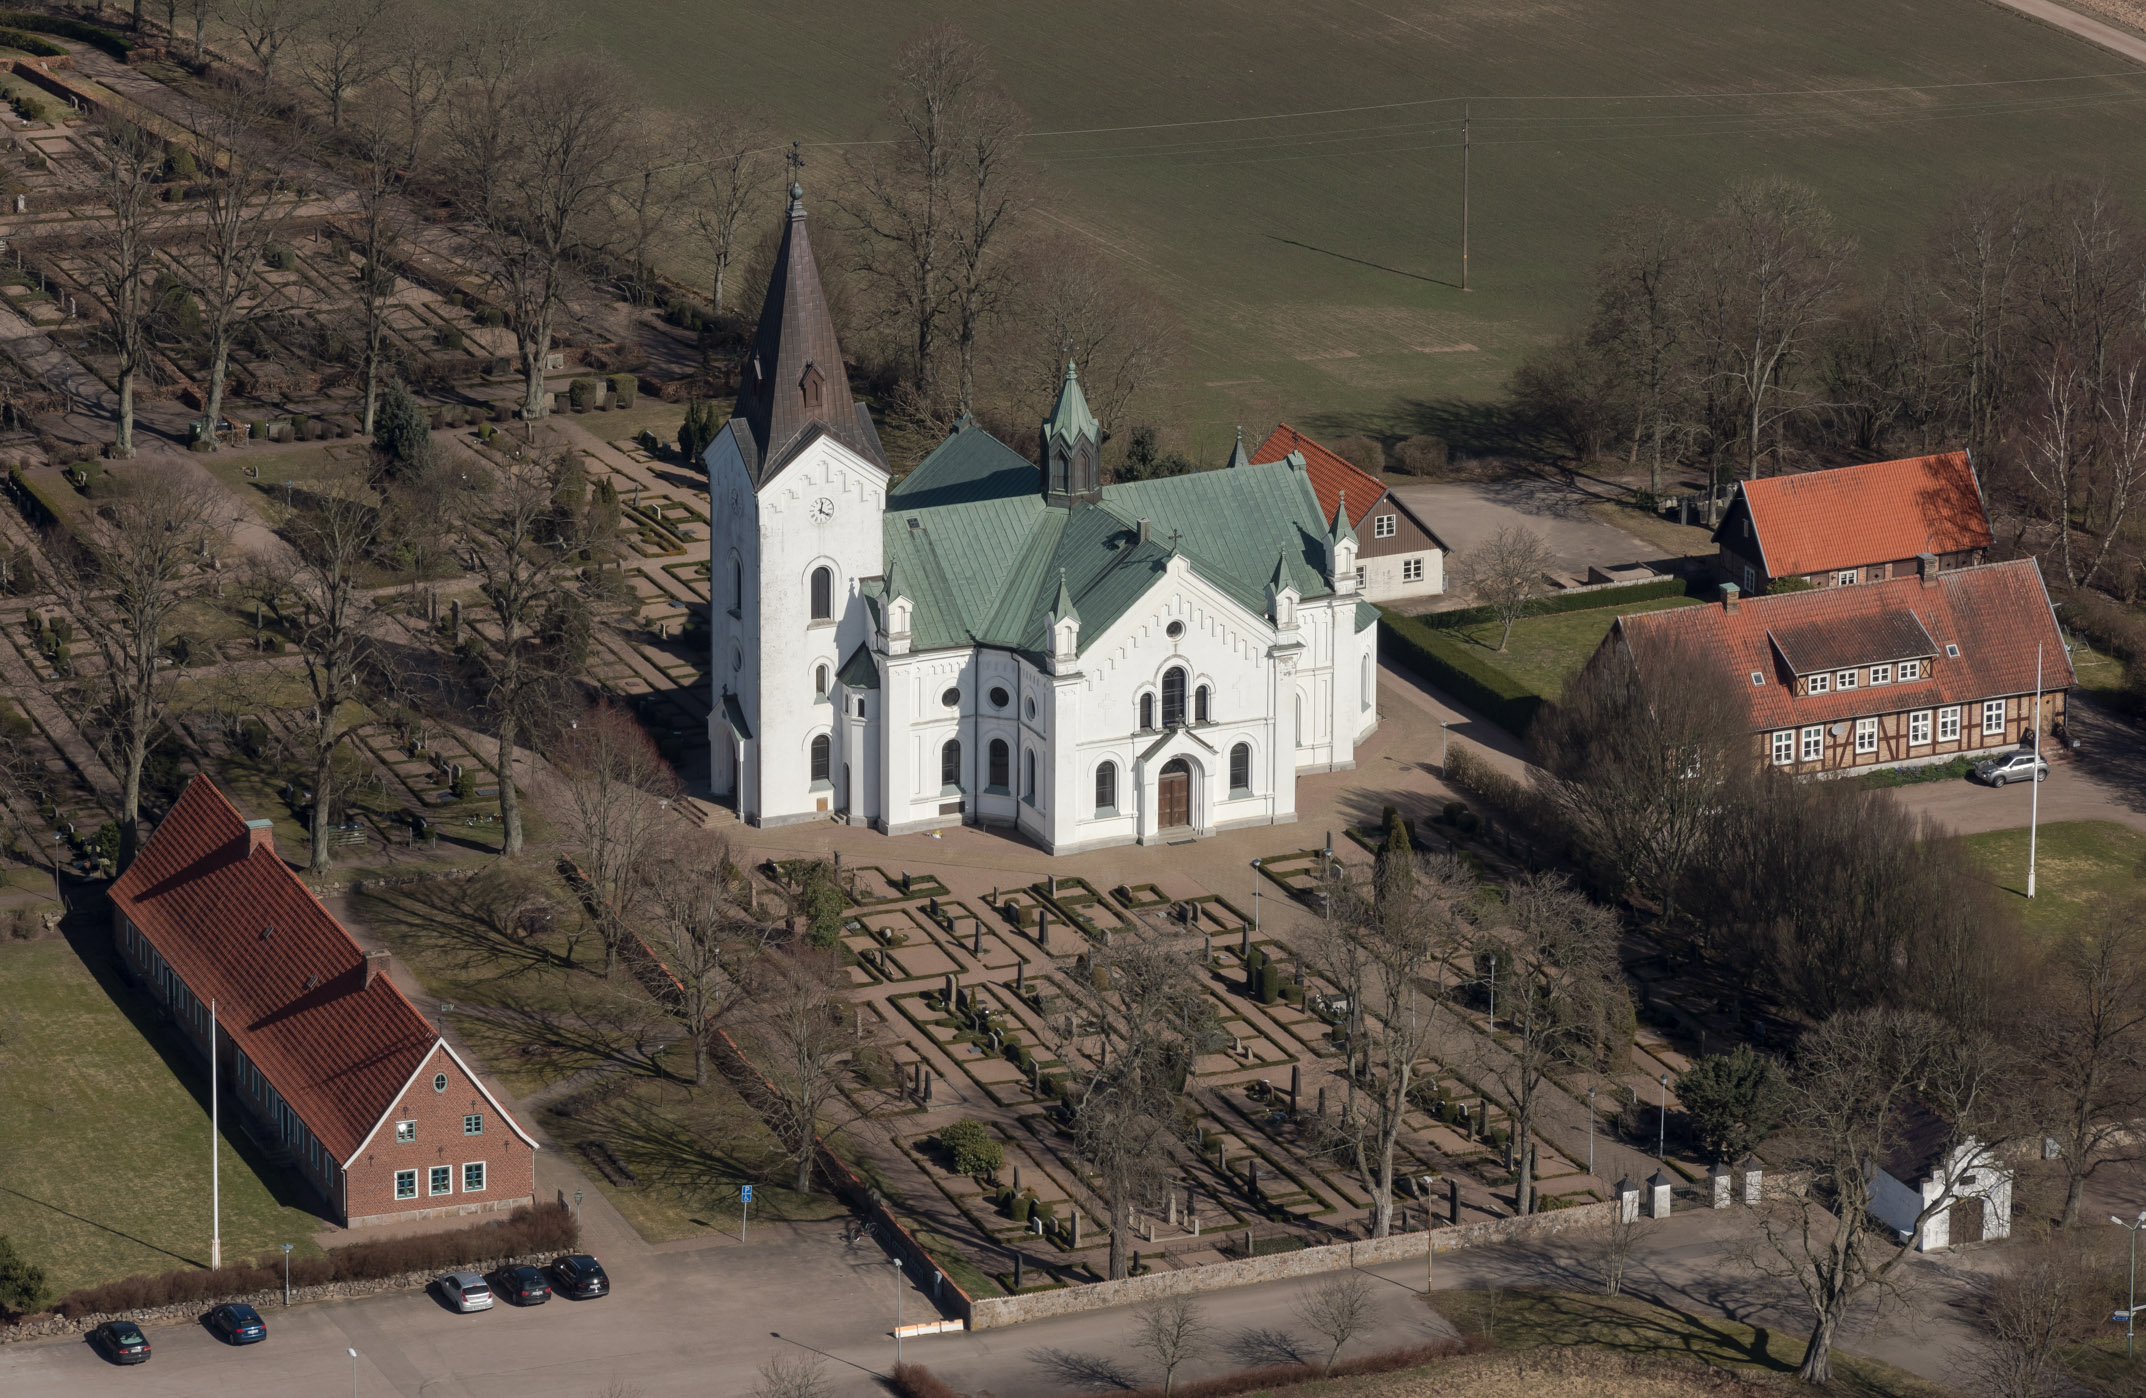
796 161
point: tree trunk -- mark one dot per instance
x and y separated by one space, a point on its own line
722 265
1524 1191
700 1053
1382 1211
510 806
2074 1192
219 369
123 438
535 349
130 799
802 1181
317 823
1120 1224
1817 1366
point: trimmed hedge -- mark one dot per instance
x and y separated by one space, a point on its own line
1441 660
1571 602
528 1230
96 36
30 44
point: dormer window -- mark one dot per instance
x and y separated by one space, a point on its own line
1818 684
810 387
1881 674
1846 679
1910 670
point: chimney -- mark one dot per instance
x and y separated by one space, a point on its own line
260 834
1731 594
1926 565
1143 529
375 967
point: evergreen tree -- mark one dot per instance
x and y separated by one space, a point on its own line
402 431
22 1282
697 432
1734 1100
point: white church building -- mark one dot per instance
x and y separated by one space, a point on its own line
990 643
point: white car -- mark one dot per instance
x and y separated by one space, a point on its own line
466 1291
2015 766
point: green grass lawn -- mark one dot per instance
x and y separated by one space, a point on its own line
1520 1320
1284 174
2102 674
1546 651
104 1132
2074 862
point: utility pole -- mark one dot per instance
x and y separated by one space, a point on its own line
216 1195
2034 802
1464 196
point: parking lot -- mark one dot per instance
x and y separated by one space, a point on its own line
2106 781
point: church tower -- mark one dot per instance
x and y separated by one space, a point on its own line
1072 448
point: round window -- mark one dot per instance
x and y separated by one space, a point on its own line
737 658
1030 707
1000 698
952 698
1174 630
439 1082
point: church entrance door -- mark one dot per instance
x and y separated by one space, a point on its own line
1174 794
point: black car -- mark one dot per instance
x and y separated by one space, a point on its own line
239 1324
579 1276
122 1341
524 1286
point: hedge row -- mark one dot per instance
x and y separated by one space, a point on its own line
1571 602
543 1228
96 36
30 43
1453 666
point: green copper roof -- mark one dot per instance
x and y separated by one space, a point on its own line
986 563
858 672
1342 528
1063 608
1071 418
1236 455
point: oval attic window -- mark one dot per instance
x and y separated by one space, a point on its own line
439 1082
1000 698
952 698
1030 707
1174 630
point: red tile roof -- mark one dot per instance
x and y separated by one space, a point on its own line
1879 513
295 1000
1996 614
1330 475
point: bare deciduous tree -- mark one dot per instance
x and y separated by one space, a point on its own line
137 559
1337 1310
802 1009
705 936
1505 573
1611 1247
1640 319
730 159
419 66
615 787
1069 303
1173 1332
793 1374
241 214
380 225
121 252
344 49
267 27
989 193
2051 1296
2087 1056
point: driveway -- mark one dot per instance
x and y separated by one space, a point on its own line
2107 781
1466 513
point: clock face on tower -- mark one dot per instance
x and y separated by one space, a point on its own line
823 509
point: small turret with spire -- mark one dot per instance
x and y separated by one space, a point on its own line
1072 447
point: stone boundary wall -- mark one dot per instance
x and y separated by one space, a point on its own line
991 1312
266 1302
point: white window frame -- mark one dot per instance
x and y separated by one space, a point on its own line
1880 674
1948 724
1411 570
405 1132
1919 729
433 1186
1784 747
1866 736
1993 717
406 1184
473 1124
1846 679
1385 526
1813 747
476 1166
1359 580
1846 577
1910 670
1818 684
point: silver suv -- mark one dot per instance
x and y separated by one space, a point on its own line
2015 766
466 1291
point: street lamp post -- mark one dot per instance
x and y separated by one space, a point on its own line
353 1374
1590 1131
897 1312
2131 1302
1494 992
1661 1133
1255 897
286 1274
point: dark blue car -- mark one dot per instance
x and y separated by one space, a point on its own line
122 1340
241 1325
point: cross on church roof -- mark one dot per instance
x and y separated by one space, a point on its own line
1175 535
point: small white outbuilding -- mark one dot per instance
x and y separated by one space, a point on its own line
1927 1167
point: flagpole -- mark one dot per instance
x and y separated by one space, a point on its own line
2034 804
216 1195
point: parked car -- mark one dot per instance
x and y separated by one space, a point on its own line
122 1342
2015 766
466 1291
239 1324
524 1285
580 1276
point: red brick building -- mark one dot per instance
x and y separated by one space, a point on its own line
1397 555
1854 524
1914 669
319 1057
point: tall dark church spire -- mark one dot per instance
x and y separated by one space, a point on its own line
1072 448
793 377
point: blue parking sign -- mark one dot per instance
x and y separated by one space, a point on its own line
745 1194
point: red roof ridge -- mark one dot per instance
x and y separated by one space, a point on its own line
1332 475
1874 512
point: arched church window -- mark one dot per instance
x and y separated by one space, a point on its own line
1106 788
1000 765
950 764
823 594
1240 769
1173 697
1147 712
819 681
820 748
1199 704
737 585
1028 776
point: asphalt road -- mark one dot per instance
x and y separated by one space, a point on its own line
704 1322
